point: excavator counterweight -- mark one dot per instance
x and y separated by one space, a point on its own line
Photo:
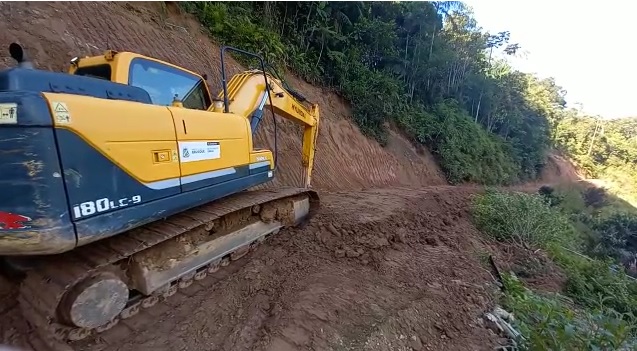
127 181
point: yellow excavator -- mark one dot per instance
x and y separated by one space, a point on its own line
125 180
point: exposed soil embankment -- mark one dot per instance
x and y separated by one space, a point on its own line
55 32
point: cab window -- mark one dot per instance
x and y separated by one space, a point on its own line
163 82
98 71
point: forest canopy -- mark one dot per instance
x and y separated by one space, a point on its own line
429 69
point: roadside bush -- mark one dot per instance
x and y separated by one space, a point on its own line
552 323
600 314
571 200
550 195
595 197
522 218
591 283
616 236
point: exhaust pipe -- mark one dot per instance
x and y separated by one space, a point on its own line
20 55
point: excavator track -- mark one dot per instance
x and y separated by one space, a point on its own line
48 297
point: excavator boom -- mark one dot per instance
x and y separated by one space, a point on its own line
247 95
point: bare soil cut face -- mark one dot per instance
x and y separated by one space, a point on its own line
54 32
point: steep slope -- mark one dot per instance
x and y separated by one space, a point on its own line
560 169
56 32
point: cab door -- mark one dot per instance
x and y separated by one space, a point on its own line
212 147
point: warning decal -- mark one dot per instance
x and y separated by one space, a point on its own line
61 113
9 113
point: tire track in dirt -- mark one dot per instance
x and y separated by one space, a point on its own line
404 268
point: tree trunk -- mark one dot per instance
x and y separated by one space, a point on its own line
285 16
321 52
590 149
478 109
309 37
482 89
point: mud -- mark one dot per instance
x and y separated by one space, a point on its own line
12 327
374 270
406 269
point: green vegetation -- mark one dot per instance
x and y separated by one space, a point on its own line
606 225
597 308
423 66
428 68
523 219
552 322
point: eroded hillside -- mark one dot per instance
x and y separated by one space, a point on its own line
55 32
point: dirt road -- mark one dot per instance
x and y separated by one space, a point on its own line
385 269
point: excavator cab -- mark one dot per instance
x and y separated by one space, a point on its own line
245 94
164 82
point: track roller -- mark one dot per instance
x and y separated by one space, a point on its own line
95 301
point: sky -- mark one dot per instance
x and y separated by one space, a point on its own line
590 49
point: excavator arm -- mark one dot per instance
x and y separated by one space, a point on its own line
248 94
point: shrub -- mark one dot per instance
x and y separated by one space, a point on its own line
595 197
590 282
550 195
551 323
617 236
522 218
601 314
466 152
235 25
